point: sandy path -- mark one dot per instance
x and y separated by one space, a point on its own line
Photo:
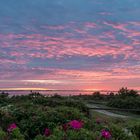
106 112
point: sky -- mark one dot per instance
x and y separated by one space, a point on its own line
69 44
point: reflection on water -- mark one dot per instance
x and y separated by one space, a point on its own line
52 92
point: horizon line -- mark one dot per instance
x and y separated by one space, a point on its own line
42 89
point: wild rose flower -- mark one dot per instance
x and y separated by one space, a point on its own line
47 132
105 134
12 127
76 124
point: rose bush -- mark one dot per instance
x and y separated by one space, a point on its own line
36 117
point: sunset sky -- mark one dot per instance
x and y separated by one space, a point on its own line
69 44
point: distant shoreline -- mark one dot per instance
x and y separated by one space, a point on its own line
68 90
59 92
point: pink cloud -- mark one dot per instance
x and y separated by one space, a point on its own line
125 30
58 78
60 46
91 25
118 26
22 48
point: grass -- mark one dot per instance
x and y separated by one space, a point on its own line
124 122
103 105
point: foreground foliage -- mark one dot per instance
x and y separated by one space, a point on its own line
36 117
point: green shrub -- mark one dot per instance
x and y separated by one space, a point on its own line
127 103
16 135
82 134
136 130
118 133
40 137
57 134
2 135
33 113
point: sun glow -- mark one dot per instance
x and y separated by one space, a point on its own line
4 89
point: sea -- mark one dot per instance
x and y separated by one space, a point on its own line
53 92
58 92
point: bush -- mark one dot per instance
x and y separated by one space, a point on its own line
124 92
127 103
82 134
62 117
57 134
126 99
136 130
16 135
41 137
33 121
2 135
118 133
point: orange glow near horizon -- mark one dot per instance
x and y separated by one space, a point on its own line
24 89
47 89
86 89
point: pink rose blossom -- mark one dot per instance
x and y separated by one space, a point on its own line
76 124
105 134
12 127
47 132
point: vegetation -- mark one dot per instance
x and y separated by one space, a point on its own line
124 99
37 117
127 99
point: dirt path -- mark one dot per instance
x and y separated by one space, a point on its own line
106 112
